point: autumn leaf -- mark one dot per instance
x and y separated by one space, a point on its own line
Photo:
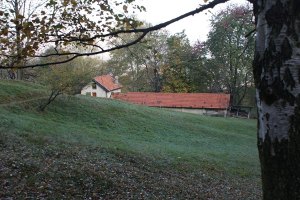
4 31
125 8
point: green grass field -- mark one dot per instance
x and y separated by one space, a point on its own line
84 147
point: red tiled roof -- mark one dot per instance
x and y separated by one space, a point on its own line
108 82
177 100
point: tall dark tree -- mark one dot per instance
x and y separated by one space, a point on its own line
176 71
231 52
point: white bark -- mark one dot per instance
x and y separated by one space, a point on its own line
274 118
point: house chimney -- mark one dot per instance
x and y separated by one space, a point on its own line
116 80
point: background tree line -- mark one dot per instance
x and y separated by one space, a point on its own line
170 63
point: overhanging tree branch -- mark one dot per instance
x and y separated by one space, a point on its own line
144 31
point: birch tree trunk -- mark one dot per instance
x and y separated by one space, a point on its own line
277 78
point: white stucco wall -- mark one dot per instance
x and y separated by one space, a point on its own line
108 94
114 91
99 91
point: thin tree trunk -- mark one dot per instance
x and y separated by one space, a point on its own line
51 98
19 72
245 88
277 78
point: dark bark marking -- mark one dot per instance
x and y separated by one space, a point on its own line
275 157
275 17
269 92
275 91
276 88
289 79
286 50
295 8
267 119
267 116
289 97
299 76
272 46
272 58
257 68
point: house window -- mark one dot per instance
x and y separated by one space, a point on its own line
94 94
94 85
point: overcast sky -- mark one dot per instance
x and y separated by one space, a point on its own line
196 27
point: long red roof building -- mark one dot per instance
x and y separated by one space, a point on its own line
177 100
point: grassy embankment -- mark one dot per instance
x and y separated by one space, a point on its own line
84 147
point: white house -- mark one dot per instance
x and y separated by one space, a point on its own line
102 86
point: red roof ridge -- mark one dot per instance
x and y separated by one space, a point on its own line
108 82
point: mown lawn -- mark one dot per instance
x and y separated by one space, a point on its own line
83 147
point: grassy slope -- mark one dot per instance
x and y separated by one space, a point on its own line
18 91
91 147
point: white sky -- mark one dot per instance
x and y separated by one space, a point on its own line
196 27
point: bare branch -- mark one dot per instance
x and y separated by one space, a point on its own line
149 29
143 31
251 32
